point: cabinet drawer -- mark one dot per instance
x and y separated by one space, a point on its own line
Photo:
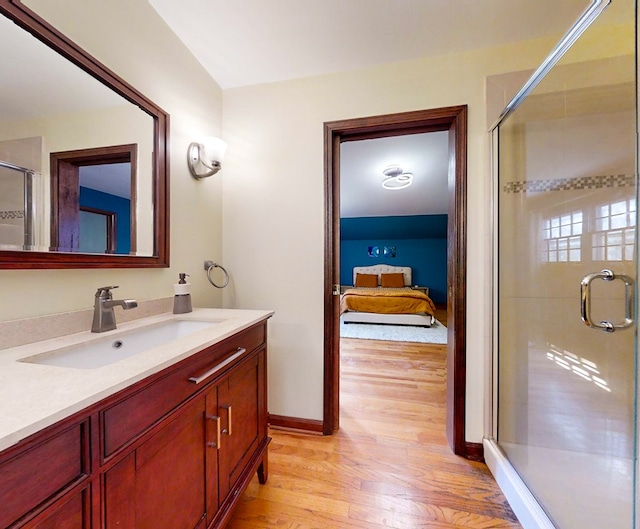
130 417
38 473
72 513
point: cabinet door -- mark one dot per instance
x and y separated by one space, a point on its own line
242 411
162 483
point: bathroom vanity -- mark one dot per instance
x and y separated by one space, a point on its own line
167 437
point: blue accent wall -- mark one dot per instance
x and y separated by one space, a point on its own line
91 198
420 242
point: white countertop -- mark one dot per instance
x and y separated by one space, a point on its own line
34 396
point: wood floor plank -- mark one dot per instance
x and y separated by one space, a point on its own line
389 465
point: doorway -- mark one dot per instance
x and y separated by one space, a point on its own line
93 200
454 121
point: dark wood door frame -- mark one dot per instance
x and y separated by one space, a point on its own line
111 226
454 120
65 174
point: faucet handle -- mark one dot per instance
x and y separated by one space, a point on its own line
105 291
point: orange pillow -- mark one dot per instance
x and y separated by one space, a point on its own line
393 280
366 280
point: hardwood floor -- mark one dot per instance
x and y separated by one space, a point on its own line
389 465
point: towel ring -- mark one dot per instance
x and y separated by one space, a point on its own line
226 275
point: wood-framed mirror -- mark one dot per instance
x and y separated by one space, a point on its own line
61 108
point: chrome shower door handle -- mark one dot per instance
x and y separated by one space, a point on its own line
585 300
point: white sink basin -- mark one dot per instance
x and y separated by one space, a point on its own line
116 347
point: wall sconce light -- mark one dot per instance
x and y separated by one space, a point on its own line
205 158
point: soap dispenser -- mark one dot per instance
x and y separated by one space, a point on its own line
182 297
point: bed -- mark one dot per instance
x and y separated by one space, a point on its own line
383 294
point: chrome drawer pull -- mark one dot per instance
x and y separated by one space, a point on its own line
218 367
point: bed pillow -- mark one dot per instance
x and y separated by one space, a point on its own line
393 280
366 280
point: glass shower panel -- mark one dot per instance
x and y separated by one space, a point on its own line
12 207
567 209
16 206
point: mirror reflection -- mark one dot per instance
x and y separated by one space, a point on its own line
93 200
106 205
62 188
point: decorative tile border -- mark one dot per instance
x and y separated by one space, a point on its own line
5 215
570 184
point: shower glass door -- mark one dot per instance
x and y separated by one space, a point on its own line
567 257
17 206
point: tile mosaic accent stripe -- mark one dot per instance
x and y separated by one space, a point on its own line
570 184
6 215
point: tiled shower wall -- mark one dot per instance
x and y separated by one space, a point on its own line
25 153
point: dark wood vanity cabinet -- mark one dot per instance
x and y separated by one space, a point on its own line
197 461
174 450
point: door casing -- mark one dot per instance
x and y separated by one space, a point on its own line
454 120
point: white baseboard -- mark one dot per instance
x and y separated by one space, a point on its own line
523 503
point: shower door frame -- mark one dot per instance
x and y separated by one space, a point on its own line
526 507
29 205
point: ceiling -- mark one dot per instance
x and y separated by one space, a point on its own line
361 166
113 178
49 85
247 42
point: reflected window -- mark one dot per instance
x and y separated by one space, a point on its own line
614 239
562 238
578 365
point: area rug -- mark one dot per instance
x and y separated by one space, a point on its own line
437 333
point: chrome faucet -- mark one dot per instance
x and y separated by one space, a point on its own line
103 317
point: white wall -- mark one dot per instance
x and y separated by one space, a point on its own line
273 207
274 203
132 40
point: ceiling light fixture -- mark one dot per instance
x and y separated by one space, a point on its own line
396 178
